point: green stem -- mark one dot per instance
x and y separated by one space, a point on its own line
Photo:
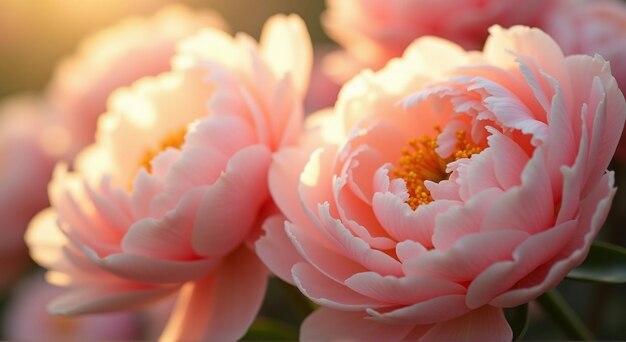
556 307
299 302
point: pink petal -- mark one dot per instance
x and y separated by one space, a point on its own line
145 188
229 207
327 324
217 132
572 185
383 137
444 190
442 54
327 292
152 270
528 207
431 311
109 212
275 249
476 175
484 324
609 107
45 240
287 114
357 216
463 220
361 170
222 306
284 177
406 290
315 185
106 299
382 183
510 111
357 249
184 176
287 48
594 210
167 238
509 159
561 146
530 254
526 41
409 249
326 259
467 257
403 223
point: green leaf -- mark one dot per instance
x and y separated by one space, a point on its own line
606 263
268 329
518 319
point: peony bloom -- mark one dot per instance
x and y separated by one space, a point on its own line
116 57
374 31
173 191
445 187
26 318
590 27
28 148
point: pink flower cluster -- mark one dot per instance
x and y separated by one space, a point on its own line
442 187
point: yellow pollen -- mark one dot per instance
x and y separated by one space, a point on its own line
174 140
420 162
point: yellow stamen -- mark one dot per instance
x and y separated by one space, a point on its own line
174 140
420 162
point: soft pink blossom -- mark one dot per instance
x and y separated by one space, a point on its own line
115 57
26 318
171 195
592 27
374 31
445 187
28 147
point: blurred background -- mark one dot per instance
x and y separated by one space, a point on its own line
36 34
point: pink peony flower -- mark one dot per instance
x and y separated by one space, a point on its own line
374 31
592 27
116 57
172 193
29 145
446 187
26 318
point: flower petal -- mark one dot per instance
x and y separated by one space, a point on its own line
106 299
287 48
327 325
402 290
327 292
222 306
484 324
528 207
275 249
229 207
435 310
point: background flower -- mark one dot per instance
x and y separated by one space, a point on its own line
167 197
445 187
372 32
29 145
28 319
592 27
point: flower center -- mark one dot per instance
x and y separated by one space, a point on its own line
420 162
174 140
